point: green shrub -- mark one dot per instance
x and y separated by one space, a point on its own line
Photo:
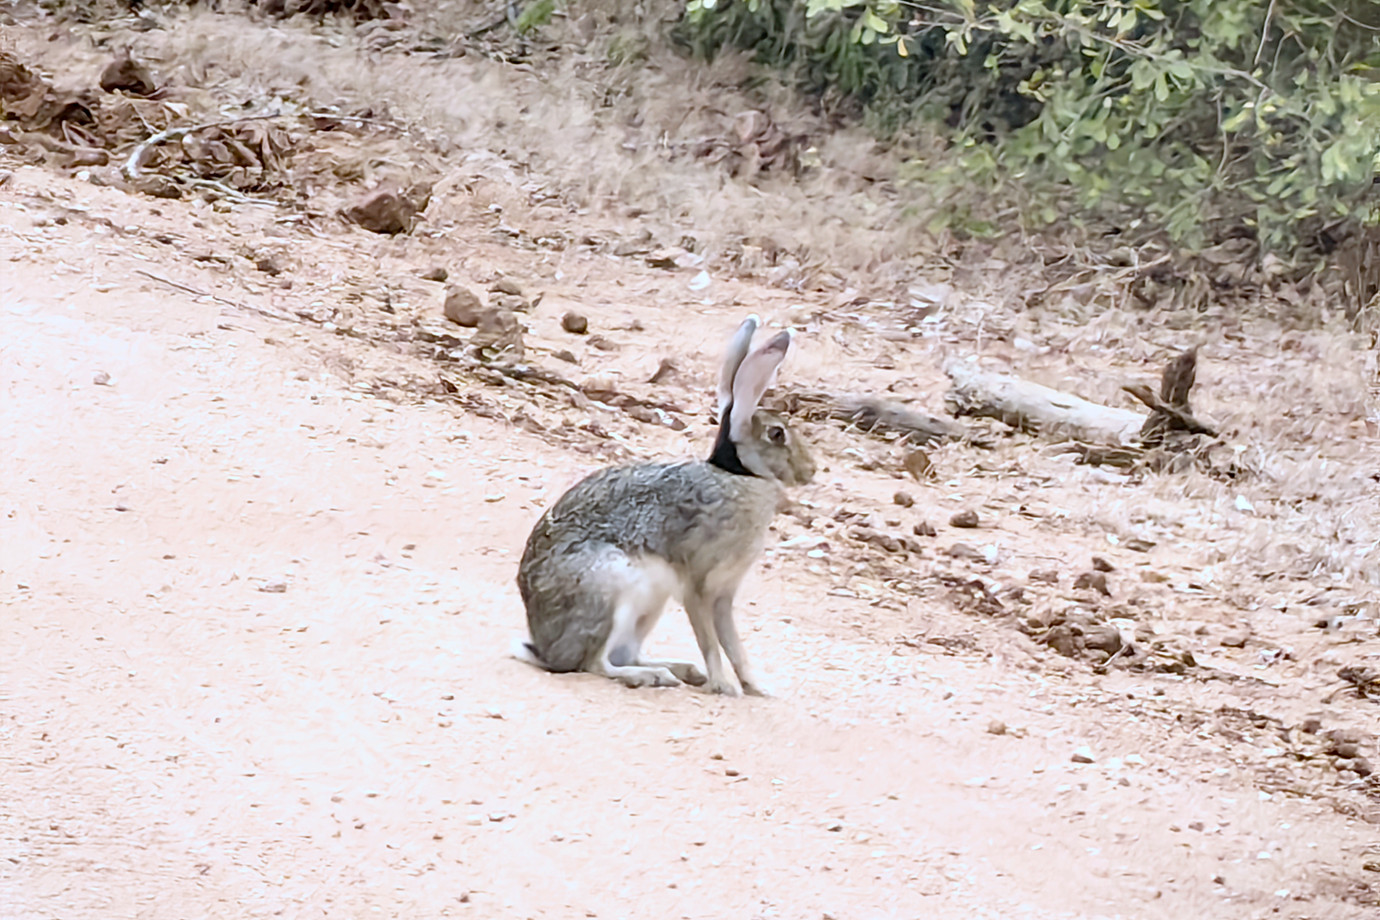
1204 118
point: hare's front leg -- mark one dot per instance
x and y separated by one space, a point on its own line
727 629
701 613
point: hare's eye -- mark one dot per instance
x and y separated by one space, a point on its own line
776 434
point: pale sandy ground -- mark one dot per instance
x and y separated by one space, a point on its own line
256 589
180 742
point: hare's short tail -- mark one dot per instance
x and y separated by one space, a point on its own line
523 650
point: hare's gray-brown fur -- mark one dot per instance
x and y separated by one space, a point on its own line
600 565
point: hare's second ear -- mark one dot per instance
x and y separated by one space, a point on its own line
737 350
754 375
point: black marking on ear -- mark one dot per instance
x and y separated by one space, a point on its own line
725 453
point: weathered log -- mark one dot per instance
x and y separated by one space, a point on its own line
877 416
1036 408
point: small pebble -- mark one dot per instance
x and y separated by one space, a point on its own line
1343 750
1236 638
1102 565
963 551
574 323
666 370
1097 581
903 499
965 518
462 306
996 727
1102 638
919 465
1082 755
101 379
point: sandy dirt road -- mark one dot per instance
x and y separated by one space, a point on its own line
254 640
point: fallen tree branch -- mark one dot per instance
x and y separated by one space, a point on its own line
878 416
1036 408
1180 419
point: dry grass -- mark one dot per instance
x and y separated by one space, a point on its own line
599 134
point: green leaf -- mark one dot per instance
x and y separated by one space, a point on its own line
874 22
1234 122
538 13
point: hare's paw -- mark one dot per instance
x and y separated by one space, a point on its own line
722 686
641 676
684 671
754 687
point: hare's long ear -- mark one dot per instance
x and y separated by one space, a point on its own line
755 374
737 350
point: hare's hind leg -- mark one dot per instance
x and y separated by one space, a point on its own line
636 675
621 656
685 671
645 588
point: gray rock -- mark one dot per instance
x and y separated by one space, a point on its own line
964 518
963 551
1062 640
574 323
498 334
1097 581
1103 638
1236 638
463 306
386 210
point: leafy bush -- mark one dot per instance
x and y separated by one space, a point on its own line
1204 118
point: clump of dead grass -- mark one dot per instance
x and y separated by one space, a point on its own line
601 136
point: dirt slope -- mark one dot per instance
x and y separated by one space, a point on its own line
258 590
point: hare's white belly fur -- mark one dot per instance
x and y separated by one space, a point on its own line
640 588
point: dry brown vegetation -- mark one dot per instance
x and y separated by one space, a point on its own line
1226 627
